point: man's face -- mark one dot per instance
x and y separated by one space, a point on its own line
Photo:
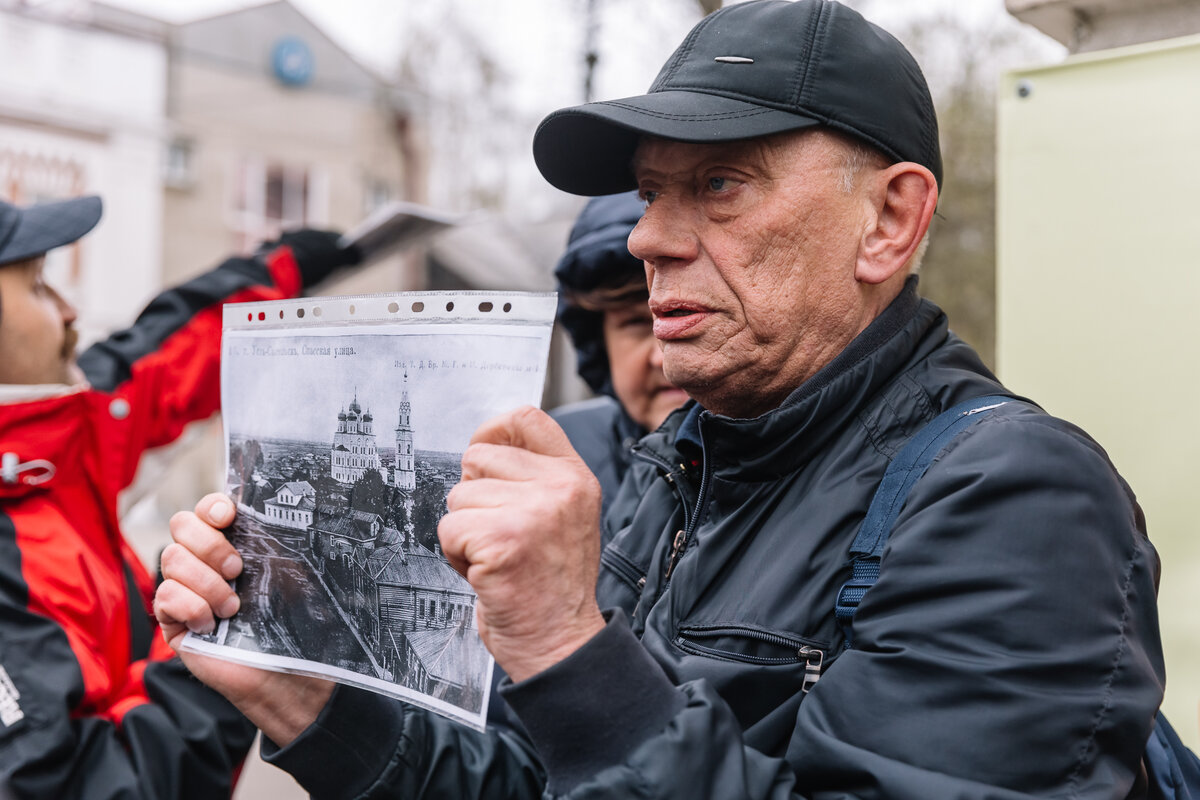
750 249
636 365
37 342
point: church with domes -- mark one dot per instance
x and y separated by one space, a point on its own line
354 451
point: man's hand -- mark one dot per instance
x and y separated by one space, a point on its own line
195 593
524 528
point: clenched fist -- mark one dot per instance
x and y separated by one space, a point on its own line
524 528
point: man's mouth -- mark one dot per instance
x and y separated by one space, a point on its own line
676 320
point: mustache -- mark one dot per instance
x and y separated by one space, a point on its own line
70 341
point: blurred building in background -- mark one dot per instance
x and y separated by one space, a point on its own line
272 125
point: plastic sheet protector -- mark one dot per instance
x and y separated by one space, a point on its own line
345 422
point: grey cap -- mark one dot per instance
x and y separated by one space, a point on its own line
29 231
748 70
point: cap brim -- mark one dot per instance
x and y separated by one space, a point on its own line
589 149
43 227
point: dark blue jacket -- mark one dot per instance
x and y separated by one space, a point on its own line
1009 650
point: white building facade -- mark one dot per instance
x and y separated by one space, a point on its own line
292 506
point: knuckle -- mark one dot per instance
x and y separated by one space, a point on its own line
170 557
169 601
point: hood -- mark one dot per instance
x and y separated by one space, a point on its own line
596 256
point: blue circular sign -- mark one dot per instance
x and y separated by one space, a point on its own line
292 61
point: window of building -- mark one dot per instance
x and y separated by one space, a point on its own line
178 164
377 193
271 196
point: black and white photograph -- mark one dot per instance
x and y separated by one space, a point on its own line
345 429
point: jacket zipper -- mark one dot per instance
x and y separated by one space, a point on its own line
670 475
814 660
683 537
624 569
812 657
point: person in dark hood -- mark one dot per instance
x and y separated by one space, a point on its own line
603 306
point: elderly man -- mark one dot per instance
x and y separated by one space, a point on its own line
788 156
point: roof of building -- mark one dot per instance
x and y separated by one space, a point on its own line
451 654
356 525
237 38
299 487
413 565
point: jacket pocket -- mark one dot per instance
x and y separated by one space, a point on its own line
623 568
620 581
757 646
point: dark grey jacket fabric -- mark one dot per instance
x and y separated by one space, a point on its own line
603 435
1010 648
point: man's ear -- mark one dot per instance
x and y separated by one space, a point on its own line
901 200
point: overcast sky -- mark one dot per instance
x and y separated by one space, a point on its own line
529 31
537 47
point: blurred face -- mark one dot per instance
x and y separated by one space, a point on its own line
750 249
37 342
636 365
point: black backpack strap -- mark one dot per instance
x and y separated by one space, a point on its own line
904 471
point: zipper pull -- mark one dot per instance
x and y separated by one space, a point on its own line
676 548
641 584
814 659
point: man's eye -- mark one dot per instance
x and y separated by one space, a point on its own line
718 184
648 196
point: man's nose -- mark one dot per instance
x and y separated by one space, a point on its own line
662 236
65 309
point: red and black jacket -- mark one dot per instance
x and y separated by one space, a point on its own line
92 703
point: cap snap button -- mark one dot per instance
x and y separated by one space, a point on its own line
119 408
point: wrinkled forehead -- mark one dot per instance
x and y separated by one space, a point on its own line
654 154
790 151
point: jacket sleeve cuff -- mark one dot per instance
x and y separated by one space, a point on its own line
357 730
618 698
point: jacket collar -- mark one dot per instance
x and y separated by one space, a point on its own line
23 393
780 440
42 432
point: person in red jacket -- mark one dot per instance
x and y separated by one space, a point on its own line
92 702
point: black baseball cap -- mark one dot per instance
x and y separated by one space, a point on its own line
29 231
748 70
